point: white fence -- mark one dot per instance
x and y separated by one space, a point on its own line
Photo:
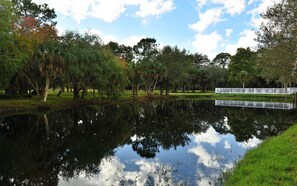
290 90
250 104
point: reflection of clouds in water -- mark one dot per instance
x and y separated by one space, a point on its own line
211 159
227 145
210 136
251 143
113 173
204 157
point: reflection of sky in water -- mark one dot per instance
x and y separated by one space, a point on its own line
198 163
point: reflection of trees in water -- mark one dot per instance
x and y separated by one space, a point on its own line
38 148
261 123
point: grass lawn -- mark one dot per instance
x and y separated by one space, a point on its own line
274 162
243 97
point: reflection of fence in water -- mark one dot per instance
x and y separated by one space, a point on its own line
290 90
250 104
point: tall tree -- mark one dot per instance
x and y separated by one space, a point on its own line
10 55
277 40
51 64
177 63
28 9
222 60
145 54
146 49
122 51
242 66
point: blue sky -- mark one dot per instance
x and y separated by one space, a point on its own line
204 26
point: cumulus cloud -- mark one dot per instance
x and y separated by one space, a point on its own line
106 38
246 39
108 10
210 136
132 40
227 145
207 18
207 43
230 6
204 157
261 8
228 32
251 143
155 7
112 172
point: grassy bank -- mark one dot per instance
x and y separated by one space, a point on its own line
274 162
66 100
243 97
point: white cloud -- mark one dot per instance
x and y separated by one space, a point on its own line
228 32
210 136
227 145
251 143
154 7
107 10
247 39
232 7
251 2
261 8
132 40
207 18
207 43
204 157
105 38
112 172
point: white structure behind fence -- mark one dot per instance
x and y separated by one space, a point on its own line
290 90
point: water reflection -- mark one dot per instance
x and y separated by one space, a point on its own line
166 142
253 104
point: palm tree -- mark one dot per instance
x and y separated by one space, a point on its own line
51 64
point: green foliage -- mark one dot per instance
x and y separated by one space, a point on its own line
42 13
177 62
277 40
88 65
122 51
272 163
222 60
146 49
242 68
10 57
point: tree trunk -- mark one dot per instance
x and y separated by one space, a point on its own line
94 92
167 88
61 91
46 89
133 90
75 92
84 92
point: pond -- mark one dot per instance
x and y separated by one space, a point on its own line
141 143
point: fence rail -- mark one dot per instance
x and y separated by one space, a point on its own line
250 104
287 91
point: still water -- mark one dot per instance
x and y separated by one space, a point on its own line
149 143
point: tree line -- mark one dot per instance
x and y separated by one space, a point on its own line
34 58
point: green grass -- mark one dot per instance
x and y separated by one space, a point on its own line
243 97
274 162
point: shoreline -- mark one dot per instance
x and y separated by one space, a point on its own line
273 162
23 105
